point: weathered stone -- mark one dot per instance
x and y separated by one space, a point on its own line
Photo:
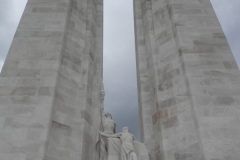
183 53
47 81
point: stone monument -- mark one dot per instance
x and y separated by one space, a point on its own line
188 83
51 81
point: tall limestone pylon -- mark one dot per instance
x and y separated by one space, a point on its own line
188 82
50 82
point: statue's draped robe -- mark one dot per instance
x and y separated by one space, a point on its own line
107 125
117 151
127 146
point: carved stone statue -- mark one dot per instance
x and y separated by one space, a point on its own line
121 146
108 127
127 149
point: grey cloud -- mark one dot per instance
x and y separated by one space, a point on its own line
10 13
228 14
1 64
120 65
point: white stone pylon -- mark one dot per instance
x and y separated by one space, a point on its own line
50 82
188 82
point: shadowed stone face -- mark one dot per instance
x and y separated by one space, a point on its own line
224 101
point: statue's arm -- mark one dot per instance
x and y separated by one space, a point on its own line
110 136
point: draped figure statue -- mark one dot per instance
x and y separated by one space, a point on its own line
121 146
108 127
127 149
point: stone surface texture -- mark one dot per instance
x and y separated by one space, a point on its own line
188 82
50 82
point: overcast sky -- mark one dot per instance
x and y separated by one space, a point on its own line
119 50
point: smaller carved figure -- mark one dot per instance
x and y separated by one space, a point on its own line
127 149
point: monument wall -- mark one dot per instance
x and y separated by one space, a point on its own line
188 81
51 81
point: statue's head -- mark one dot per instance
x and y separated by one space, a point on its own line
108 115
125 129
